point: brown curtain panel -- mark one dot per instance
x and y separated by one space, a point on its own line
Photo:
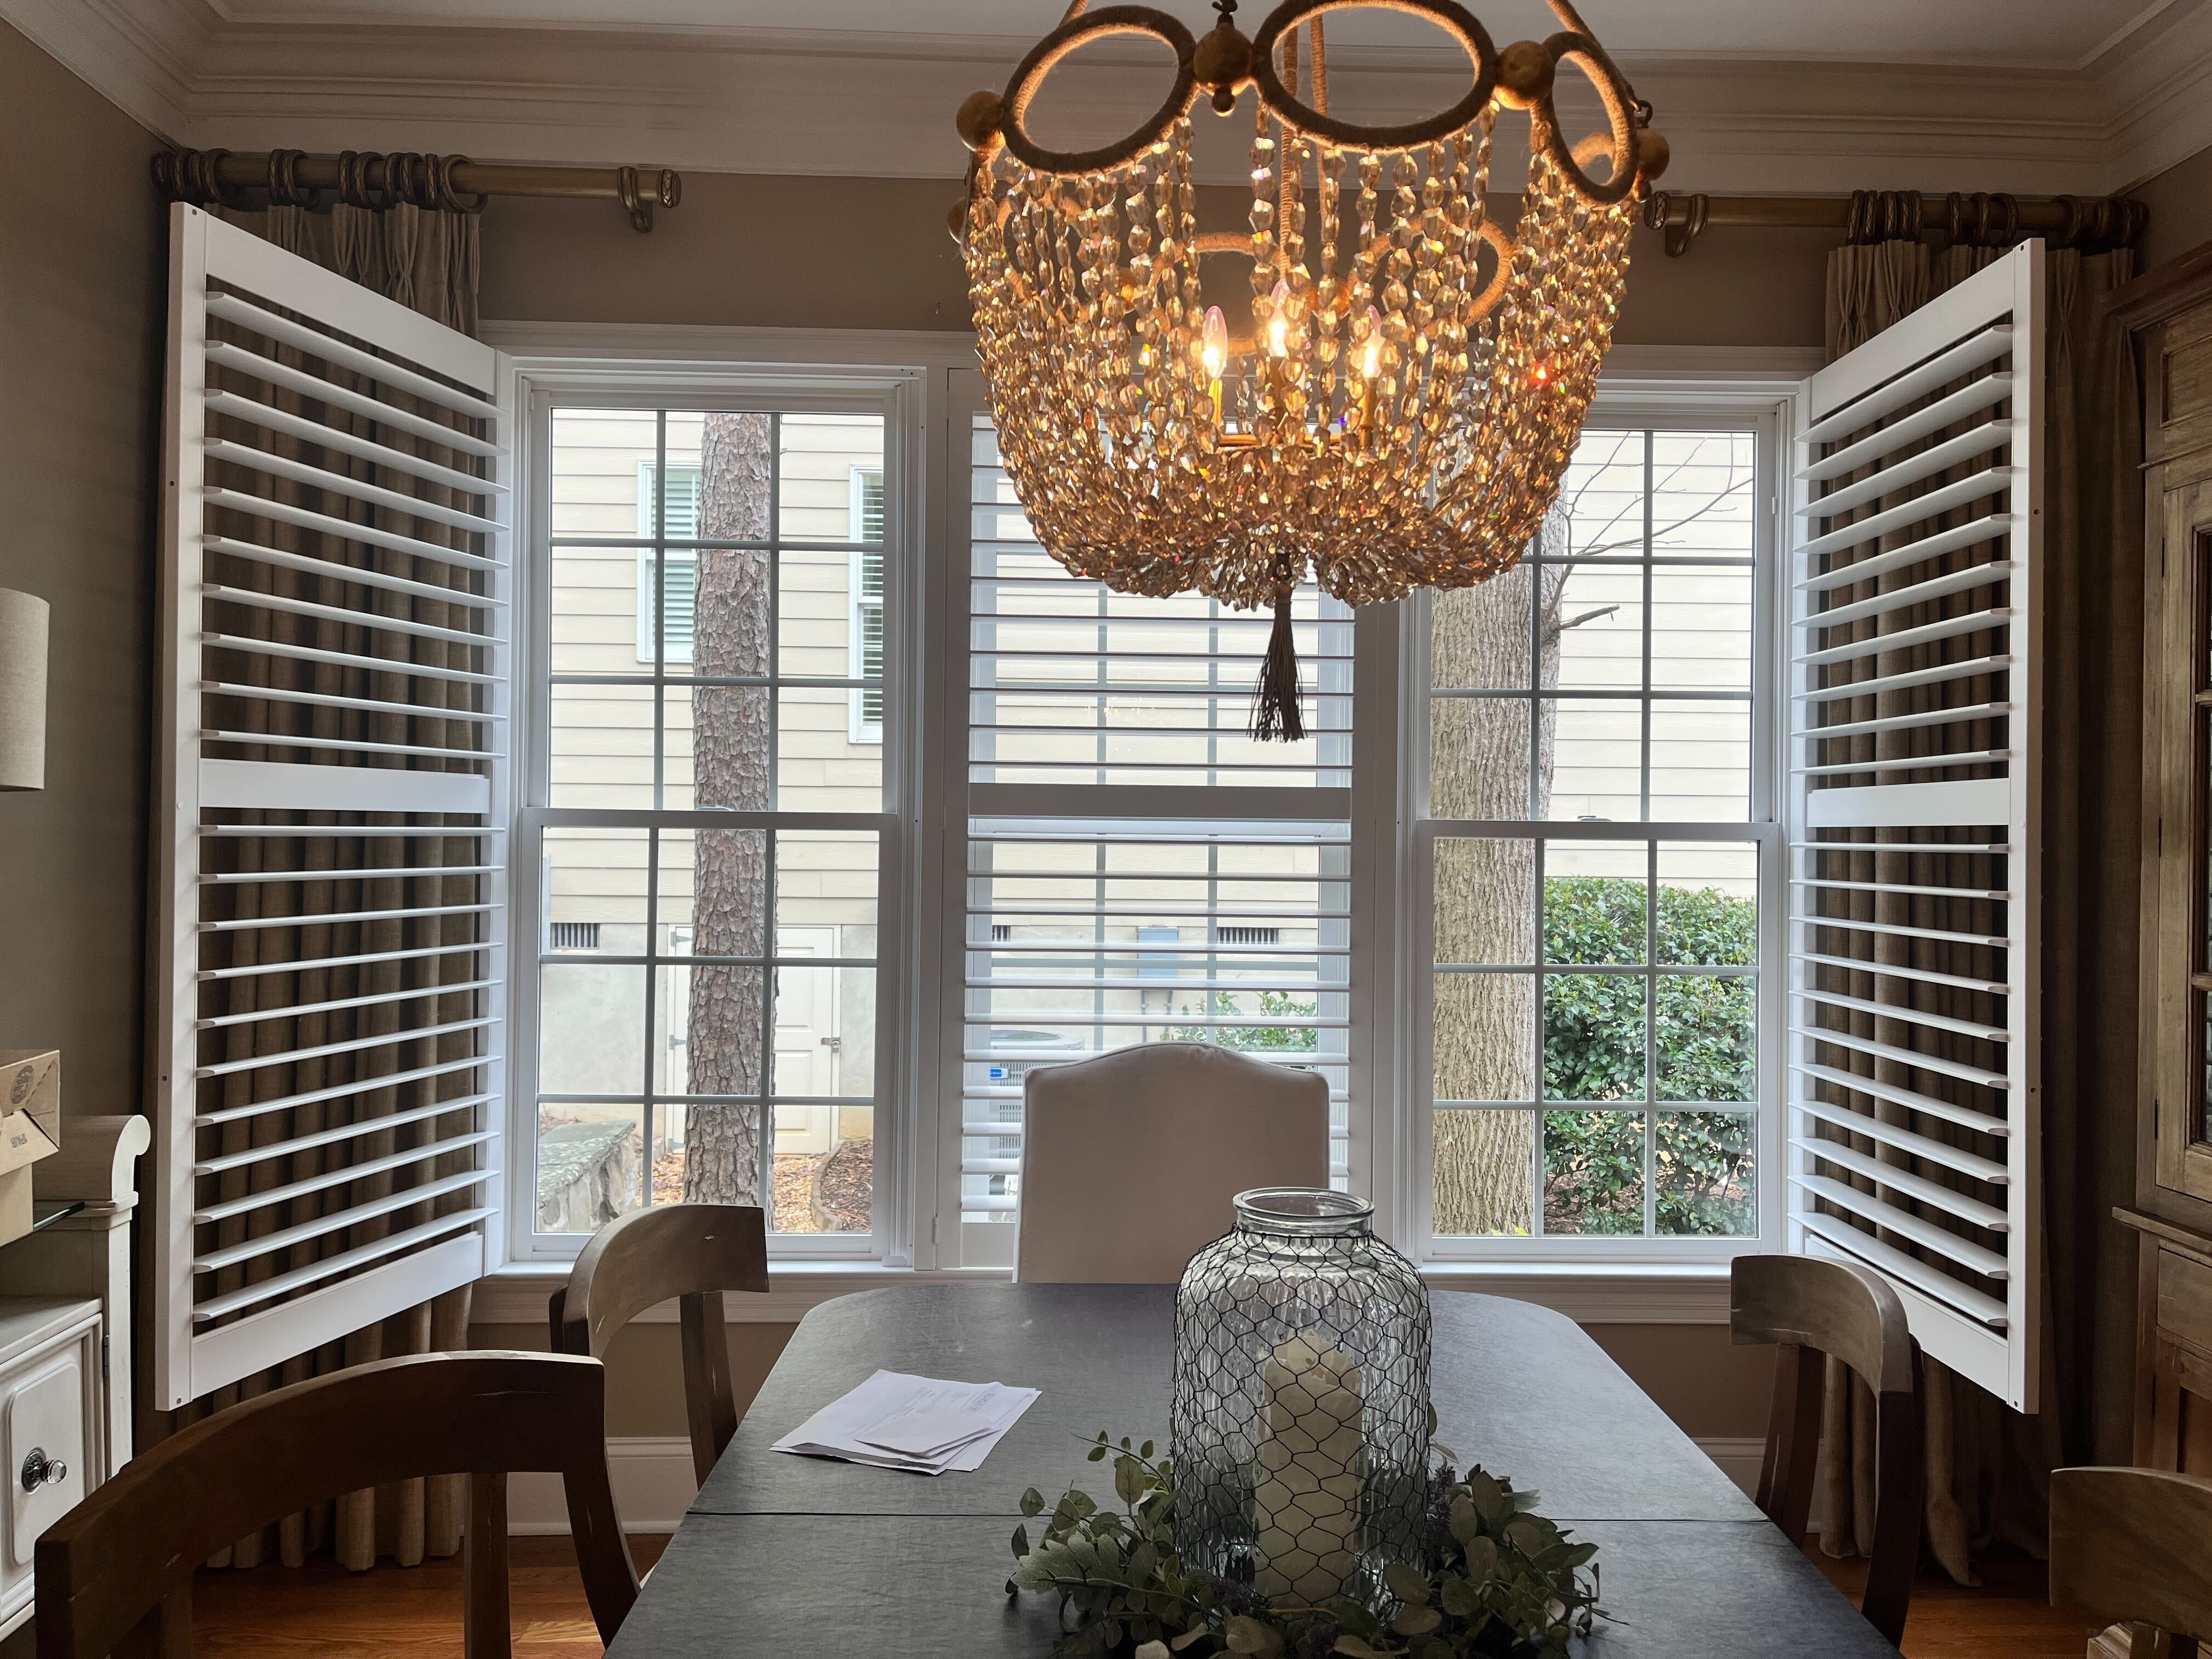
1988 1466
427 261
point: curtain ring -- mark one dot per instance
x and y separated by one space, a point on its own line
195 176
1679 237
353 181
634 203
440 190
403 172
285 189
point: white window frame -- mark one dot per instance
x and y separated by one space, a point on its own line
647 497
925 748
861 728
724 370
1667 401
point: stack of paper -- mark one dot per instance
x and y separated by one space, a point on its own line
918 1424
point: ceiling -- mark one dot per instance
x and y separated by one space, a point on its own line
2037 97
2040 33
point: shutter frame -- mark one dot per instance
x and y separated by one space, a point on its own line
202 1341
1992 323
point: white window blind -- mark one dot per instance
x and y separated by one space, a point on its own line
333 783
1139 870
673 520
1915 732
867 580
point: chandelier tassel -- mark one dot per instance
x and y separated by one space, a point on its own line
1276 715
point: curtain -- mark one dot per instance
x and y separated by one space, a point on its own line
427 261
1988 1466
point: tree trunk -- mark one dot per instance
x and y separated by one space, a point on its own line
730 759
1486 1024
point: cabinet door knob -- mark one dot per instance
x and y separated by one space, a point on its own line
41 1470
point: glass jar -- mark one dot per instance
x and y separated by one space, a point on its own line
1301 1418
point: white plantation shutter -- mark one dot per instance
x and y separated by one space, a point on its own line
1914 731
334 783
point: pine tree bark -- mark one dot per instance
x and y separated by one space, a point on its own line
727 1036
1486 1024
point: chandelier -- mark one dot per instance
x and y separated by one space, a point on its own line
1398 412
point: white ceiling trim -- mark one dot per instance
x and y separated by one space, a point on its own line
823 103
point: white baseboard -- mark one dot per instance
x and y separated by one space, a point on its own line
653 1481
653 1484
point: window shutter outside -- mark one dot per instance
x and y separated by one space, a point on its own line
334 778
1915 736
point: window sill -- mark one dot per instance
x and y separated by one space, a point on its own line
1671 1293
516 1294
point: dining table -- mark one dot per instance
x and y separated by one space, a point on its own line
796 1555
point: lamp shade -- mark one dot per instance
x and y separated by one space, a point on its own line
23 619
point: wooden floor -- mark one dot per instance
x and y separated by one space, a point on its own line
416 1612
2008 1616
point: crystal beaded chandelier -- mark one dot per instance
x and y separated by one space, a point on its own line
1415 375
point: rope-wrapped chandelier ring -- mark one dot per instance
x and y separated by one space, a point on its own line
1030 73
1448 16
1619 110
1394 415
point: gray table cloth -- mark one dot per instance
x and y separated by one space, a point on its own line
784 1555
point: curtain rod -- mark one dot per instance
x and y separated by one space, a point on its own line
2092 223
208 177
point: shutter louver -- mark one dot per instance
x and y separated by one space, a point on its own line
1915 730
333 894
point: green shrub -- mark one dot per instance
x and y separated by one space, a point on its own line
1273 1005
1704 1045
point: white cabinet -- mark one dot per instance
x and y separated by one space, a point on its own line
54 1439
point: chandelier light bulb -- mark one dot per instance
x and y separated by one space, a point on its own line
1278 318
1370 354
1213 352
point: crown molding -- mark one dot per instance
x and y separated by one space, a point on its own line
827 102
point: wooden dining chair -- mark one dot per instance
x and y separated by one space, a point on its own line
2130 1547
115 1574
1812 1308
690 1252
1131 1161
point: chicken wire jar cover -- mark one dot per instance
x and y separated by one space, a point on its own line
1301 1418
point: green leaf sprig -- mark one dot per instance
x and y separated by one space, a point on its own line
1506 1583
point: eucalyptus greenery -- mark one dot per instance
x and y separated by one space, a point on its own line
1504 1581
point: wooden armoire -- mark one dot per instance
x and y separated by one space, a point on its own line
2169 313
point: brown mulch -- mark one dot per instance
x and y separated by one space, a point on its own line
813 1194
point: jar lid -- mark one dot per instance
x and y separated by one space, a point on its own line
1303 1211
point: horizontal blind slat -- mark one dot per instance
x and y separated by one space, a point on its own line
335 1266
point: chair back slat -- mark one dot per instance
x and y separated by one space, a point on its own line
120 1565
2131 1546
687 1253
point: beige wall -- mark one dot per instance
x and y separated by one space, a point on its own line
81 299
875 253
2180 203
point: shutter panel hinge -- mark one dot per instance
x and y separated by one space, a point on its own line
105 1339
933 1222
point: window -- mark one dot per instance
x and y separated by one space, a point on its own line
672 517
715 850
1595 866
1136 868
866 661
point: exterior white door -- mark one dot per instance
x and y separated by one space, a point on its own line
805 1041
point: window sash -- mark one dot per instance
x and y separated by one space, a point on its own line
1665 411
894 399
